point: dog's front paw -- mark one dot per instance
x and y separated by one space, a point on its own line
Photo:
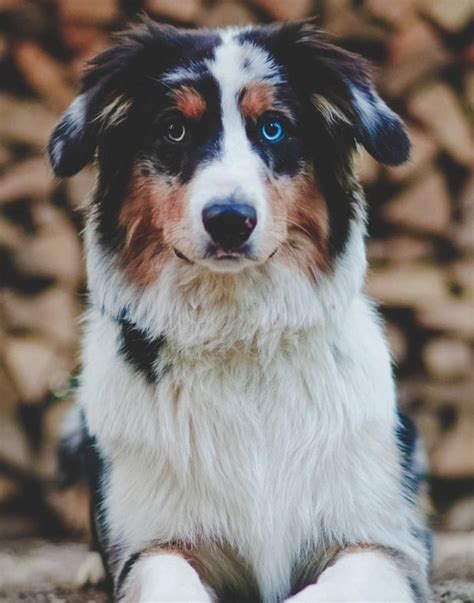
91 571
165 578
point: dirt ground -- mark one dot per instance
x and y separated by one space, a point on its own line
38 571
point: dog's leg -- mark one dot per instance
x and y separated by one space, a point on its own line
361 576
164 578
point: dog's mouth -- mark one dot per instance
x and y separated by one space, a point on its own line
181 256
224 255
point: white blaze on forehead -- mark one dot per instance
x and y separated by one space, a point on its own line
237 170
235 65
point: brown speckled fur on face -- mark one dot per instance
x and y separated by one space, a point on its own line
151 218
189 102
257 98
300 205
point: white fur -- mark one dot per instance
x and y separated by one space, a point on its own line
273 430
361 577
370 110
91 571
165 578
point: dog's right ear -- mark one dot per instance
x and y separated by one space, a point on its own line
106 96
74 140
72 144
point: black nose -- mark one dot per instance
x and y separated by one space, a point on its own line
229 224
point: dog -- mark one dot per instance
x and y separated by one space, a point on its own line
238 414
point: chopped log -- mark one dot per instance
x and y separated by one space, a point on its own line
400 248
285 10
447 359
453 457
397 342
460 517
90 11
455 317
25 122
398 13
415 51
14 448
8 394
424 206
451 16
407 285
54 252
31 178
463 233
5 157
9 489
183 10
369 168
422 152
469 86
52 314
34 366
45 75
11 235
227 13
80 187
72 505
81 37
342 20
437 107
462 273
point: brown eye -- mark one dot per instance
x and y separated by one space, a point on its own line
175 131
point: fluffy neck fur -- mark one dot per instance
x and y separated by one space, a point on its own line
196 308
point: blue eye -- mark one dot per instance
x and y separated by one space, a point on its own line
272 130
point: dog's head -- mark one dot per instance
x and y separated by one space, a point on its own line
227 149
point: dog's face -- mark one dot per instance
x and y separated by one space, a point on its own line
225 149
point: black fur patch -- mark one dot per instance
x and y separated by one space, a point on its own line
97 469
408 439
125 571
140 350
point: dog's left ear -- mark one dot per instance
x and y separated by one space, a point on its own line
343 79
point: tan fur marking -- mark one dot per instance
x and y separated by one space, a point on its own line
301 204
152 209
257 98
115 112
330 112
189 102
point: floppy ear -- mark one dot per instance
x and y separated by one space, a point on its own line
106 96
343 79
73 141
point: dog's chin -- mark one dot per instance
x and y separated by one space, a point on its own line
227 263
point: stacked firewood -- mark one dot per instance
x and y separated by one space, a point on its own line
421 224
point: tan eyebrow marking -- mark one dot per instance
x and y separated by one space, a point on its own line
189 102
257 98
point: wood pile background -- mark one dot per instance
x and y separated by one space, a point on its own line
421 224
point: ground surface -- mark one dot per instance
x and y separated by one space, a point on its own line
37 571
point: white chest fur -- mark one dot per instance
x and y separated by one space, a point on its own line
269 450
